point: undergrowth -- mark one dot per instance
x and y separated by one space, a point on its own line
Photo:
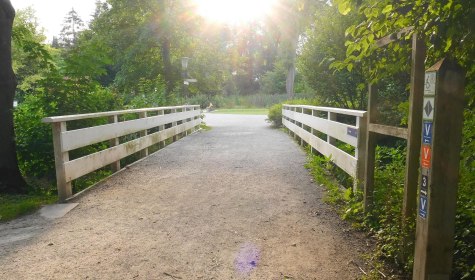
384 221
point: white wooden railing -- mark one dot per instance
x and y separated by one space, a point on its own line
305 121
167 122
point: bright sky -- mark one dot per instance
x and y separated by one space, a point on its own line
235 11
51 13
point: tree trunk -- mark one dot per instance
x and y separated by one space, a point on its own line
165 46
289 84
11 180
167 65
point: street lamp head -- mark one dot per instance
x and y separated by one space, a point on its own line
184 62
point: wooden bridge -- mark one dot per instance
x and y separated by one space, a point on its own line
234 202
135 131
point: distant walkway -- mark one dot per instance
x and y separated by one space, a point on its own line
234 202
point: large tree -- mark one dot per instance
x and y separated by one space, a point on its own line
11 180
72 25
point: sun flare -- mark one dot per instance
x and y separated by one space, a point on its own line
234 11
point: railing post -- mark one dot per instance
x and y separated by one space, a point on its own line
331 117
60 158
161 144
295 122
199 116
312 149
115 166
301 140
174 124
360 153
183 134
143 133
186 120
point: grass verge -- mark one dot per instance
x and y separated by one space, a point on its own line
243 111
13 206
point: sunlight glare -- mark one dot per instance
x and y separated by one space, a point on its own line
234 11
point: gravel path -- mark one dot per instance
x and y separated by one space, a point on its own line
234 202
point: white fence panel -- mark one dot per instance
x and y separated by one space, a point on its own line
297 117
179 120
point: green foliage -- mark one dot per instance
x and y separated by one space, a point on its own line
325 43
273 82
54 96
384 222
385 219
150 93
31 59
339 192
275 112
72 25
464 256
446 27
275 115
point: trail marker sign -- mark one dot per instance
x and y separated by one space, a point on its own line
423 206
429 83
427 132
442 120
428 109
426 156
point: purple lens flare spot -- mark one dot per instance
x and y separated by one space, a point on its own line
247 258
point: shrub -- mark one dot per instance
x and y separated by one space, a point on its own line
34 138
275 111
275 115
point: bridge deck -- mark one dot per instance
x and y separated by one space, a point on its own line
231 203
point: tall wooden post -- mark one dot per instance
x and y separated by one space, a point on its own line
414 127
440 158
371 141
414 130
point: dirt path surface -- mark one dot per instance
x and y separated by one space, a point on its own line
231 203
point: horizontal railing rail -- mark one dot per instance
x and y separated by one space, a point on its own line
309 123
165 122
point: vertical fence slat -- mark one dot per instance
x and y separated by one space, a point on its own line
143 133
331 117
160 128
175 137
114 142
360 152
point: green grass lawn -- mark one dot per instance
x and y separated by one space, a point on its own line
12 206
252 111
